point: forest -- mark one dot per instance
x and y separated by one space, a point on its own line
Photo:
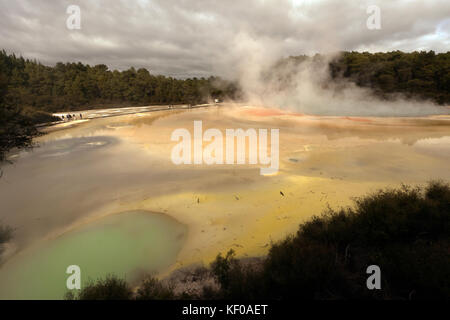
416 75
423 75
71 86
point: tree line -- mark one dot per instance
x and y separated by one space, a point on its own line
72 86
415 75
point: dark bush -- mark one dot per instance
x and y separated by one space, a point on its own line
110 288
153 289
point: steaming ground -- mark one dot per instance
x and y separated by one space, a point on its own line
94 169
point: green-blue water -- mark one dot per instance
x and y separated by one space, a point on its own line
127 245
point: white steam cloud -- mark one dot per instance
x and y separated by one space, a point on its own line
307 87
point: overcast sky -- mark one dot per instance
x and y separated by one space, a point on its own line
202 37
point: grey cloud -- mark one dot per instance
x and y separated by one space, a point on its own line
202 37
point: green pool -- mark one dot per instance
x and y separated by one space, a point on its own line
127 245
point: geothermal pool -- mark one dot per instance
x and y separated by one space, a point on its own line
129 245
104 194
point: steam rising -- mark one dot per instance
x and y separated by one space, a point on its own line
307 87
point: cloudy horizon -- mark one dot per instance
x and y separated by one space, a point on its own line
203 38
